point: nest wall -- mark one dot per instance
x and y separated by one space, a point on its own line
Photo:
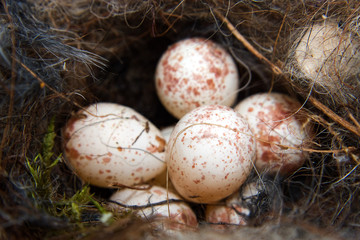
59 56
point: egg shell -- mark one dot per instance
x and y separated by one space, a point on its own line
151 204
210 153
237 207
162 179
222 217
195 72
110 145
273 120
166 132
325 54
246 200
248 190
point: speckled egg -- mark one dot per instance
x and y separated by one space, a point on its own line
239 207
222 217
326 54
166 132
110 145
248 200
280 131
210 153
195 72
152 203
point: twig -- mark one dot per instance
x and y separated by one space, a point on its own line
43 84
327 111
160 203
248 45
278 71
357 124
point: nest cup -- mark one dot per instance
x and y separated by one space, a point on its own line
62 56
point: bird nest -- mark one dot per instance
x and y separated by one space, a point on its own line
59 56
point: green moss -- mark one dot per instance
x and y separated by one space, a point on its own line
44 192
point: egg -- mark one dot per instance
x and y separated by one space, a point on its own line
151 203
210 153
280 131
248 200
166 132
249 192
222 217
240 207
162 179
110 145
195 72
325 54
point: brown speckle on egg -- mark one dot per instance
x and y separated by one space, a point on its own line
153 203
105 139
276 123
195 72
197 149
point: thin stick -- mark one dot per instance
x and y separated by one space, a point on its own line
327 111
278 71
248 45
43 84
357 124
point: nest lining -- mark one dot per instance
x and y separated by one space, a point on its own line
58 56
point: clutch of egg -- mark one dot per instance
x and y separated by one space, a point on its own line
110 145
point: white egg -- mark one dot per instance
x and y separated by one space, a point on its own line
248 200
162 179
250 191
279 130
210 153
195 72
222 217
152 203
325 54
166 132
110 145
238 208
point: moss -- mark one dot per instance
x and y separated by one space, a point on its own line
45 193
